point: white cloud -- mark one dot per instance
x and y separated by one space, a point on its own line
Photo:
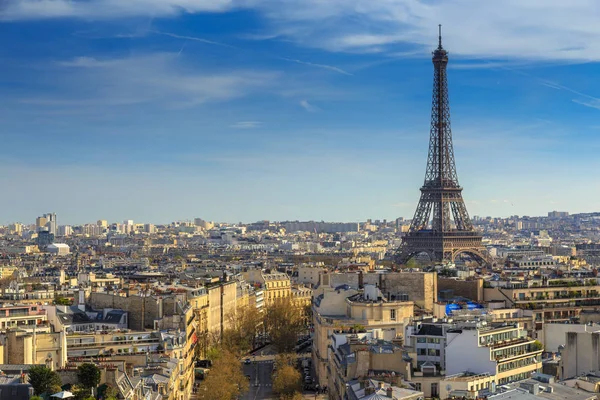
102 9
159 78
518 29
307 106
246 124
523 29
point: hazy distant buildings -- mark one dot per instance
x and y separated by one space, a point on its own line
321 227
149 228
203 224
64 230
558 214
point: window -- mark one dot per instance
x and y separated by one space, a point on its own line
421 352
421 340
418 386
434 390
393 315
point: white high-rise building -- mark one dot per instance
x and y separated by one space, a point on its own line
65 230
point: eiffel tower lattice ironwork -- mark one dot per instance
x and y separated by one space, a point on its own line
449 232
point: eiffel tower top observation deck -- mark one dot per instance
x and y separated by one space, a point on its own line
441 226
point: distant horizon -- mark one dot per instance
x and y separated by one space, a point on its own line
311 109
110 222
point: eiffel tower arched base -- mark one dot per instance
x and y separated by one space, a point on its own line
444 247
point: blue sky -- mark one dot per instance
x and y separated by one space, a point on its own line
240 110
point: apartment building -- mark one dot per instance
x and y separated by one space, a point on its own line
500 350
362 355
373 389
222 301
581 354
551 300
275 285
22 347
301 295
24 317
418 287
343 308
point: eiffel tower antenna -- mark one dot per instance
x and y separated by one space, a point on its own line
441 226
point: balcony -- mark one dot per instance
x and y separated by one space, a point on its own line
508 343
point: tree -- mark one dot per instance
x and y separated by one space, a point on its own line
537 345
62 301
88 375
287 381
108 392
44 380
284 321
242 328
226 380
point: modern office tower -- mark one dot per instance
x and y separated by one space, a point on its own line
40 223
51 222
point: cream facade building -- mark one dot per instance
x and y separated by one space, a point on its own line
343 308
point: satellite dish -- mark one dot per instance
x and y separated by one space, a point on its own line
448 387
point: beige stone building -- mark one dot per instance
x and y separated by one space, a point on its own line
222 304
301 295
344 308
21 347
362 355
581 354
275 285
418 287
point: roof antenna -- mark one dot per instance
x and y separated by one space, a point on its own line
440 36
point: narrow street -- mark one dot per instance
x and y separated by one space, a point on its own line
260 379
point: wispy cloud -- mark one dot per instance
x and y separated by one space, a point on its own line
156 78
323 66
307 106
193 38
515 29
106 9
588 103
246 124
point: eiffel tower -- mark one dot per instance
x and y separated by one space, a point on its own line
450 232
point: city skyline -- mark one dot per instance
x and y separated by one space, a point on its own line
192 220
243 111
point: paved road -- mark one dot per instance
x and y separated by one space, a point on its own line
260 380
271 357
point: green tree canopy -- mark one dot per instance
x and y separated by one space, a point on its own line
44 380
243 326
284 321
88 375
62 301
226 380
287 381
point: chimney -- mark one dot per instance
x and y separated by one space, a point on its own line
361 282
389 392
81 301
